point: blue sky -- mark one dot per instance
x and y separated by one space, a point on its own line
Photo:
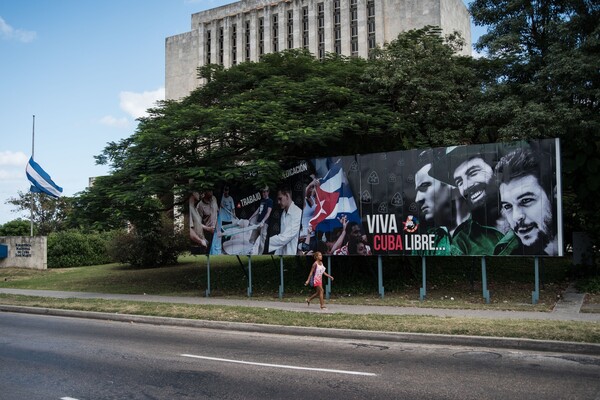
86 70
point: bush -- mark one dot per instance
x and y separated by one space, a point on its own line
157 246
75 249
589 285
16 227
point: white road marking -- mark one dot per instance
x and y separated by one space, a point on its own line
67 398
336 371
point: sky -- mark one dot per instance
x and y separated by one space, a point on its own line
87 69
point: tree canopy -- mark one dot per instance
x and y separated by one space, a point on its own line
48 214
16 227
427 86
543 80
259 116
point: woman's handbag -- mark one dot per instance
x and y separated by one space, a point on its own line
311 281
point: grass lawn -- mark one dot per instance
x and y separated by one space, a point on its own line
451 285
229 279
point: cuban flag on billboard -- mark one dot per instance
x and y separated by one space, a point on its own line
334 198
41 181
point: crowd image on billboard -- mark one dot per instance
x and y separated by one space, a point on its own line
497 199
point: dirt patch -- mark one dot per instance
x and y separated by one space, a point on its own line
591 303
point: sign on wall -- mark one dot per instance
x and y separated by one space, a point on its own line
494 199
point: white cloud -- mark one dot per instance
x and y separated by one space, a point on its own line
8 32
136 104
12 166
115 122
16 159
12 175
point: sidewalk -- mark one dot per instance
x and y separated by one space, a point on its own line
566 310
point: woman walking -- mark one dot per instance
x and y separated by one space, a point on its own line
316 273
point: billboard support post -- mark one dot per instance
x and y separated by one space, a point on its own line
207 292
328 286
380 276
423 290
249 276
542 274
281 277
535 295
486 292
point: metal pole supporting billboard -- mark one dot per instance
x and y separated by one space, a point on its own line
486 292
249 276
328 286
380 276
207 293
281 277
423 290
535 295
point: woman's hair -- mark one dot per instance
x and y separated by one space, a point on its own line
317 254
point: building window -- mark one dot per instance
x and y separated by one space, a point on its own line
290 29
234 44
275 35
354 27
208 47
371 24
247 40
261 36
321 29
337 27
305 27
221 39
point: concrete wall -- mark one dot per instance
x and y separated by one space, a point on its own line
450 15
181 63
454 16
404 15
25 252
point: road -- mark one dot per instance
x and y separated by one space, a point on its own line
47 357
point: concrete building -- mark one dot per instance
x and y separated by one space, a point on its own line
245 30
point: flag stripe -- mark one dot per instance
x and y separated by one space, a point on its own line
345 205
334 183
41 180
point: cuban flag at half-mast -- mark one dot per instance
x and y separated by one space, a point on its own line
41 181
333 198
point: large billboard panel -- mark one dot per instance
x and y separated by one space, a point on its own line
493 199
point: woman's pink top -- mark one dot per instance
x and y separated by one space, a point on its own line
319 274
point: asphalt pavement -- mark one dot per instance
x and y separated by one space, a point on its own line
567 309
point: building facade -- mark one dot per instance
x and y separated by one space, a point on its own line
245 30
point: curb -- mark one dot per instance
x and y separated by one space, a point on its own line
398 337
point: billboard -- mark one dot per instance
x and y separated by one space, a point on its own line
498 199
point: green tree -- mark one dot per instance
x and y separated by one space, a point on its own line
543 81
16 227
93 211
427 85
257 116
48 214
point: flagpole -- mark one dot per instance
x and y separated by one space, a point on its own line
32 194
